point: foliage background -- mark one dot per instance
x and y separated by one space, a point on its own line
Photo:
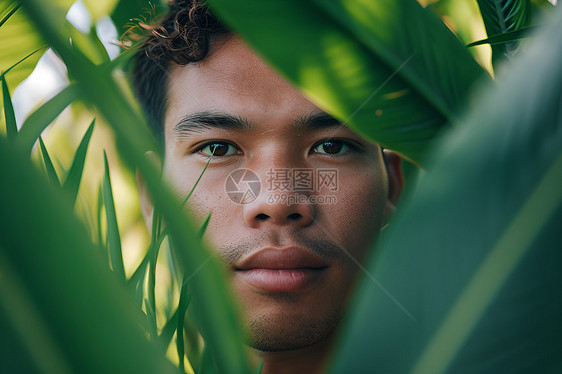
65 133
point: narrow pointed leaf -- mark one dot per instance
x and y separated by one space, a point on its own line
113 237
11 126
373 64
475 256
502 16
22 60
508 37
185 298
51 172
8 12
38 121
74 176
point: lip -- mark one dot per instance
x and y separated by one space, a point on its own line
286 270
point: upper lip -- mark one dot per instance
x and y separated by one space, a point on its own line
282 258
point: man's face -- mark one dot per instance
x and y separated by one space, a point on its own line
292 262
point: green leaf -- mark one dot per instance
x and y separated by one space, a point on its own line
508 37
37 121
185 298
8 12
502 16
19 38
56 292
88 44
74 176
11 126
474 256
113 237
212 301
391 69
51 172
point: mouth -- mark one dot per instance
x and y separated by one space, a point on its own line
289 270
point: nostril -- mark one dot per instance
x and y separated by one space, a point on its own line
294 216
262 217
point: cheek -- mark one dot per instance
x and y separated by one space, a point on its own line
358 214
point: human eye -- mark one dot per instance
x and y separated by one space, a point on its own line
334 147
217 149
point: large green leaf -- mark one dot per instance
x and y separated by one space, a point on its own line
212 301
66 310
502 16
18 39
475 256
390 68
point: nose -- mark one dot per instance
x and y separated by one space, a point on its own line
279 204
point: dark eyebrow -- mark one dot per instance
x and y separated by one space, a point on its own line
316 121
199 121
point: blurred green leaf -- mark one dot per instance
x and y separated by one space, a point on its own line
88 44
38 121
11 126
100 8
391 69
502 16
70 312
51 172
113 237
74 176
474 256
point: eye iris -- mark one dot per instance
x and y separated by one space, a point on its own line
218 149
332 147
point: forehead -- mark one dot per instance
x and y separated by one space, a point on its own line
233 79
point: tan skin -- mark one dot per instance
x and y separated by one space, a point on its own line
276 127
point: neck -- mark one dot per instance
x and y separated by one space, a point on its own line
311 360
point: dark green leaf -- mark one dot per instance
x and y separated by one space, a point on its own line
475 255
34 125
113 237
72 182
11 126
502 16
168 330
56 292
51 172
391 69
508 37
185 298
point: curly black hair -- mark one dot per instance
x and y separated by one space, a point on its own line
183 36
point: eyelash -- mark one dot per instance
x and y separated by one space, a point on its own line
351 145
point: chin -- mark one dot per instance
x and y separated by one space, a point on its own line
282 331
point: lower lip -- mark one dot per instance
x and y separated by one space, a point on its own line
281 280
